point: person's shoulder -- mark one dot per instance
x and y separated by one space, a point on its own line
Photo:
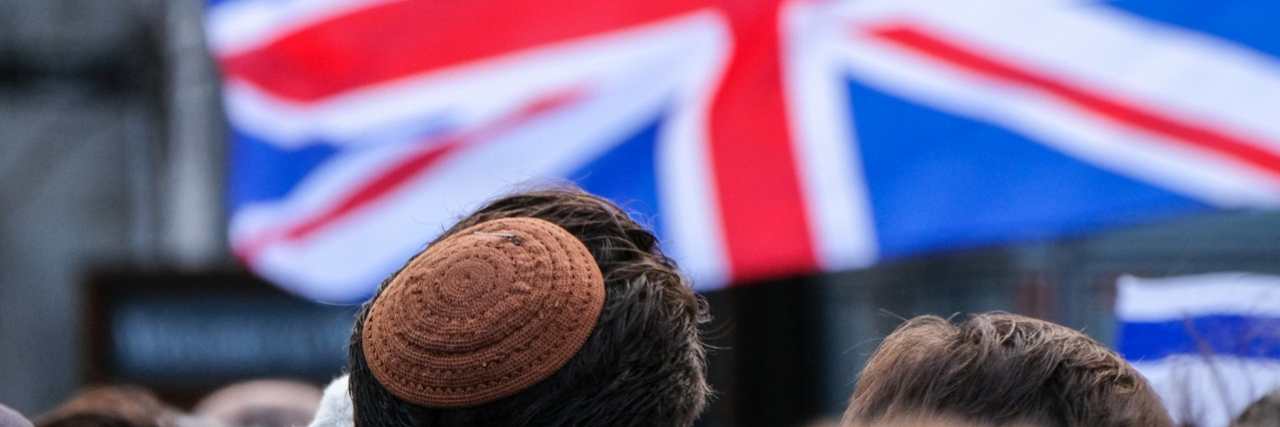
335 406
12 418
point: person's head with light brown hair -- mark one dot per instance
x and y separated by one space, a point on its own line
1264 412
1002 369
261 403
112 406
923 419
544 308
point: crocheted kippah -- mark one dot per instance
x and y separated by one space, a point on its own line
484 314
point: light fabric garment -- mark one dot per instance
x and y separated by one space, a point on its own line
335 406
11 418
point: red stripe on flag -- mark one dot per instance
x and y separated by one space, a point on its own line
400 173
1189 134
350 51
763 212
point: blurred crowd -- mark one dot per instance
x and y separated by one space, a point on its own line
900 389
554 308
256 403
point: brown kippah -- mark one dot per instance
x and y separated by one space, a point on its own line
484 314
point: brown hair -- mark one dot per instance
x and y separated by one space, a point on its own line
1261 413
111 406
929 420
1002 369
642 365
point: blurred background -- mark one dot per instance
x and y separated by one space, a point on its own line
114 265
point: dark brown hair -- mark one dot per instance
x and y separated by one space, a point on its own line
643 364
1002 369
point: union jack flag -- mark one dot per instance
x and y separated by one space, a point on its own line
761 138
1209 344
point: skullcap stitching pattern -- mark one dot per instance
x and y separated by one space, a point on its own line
484 314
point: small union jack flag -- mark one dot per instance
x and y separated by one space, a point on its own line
1209 344
760 138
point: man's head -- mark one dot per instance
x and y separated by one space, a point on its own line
111 406
261 403
436 345
1262 412
931 420
1002 368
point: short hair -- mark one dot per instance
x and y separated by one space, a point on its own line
261 403
111 406
1001 368
642 365
930 420
1263 412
